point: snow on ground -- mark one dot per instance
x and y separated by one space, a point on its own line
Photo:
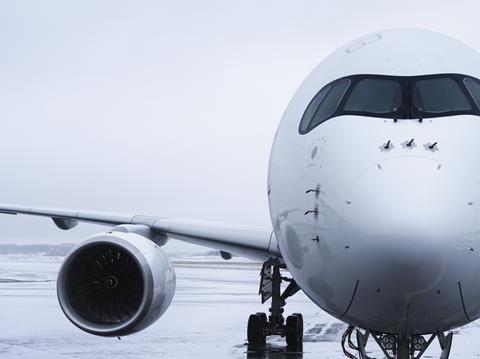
207 318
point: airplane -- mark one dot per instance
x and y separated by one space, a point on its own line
373 191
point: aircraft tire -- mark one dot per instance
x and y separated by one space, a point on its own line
293 335
256 329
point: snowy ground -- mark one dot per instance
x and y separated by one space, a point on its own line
207 318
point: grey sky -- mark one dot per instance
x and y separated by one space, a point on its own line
165 108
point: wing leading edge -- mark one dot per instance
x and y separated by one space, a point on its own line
239 240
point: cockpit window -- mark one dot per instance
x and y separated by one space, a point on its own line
395 97
375 96
438 95
473 86
324 104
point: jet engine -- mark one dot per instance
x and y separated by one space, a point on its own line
115 284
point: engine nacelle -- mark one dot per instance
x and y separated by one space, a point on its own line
115 284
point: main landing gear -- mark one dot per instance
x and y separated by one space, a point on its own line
394 346
259 325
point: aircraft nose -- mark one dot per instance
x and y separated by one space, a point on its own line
407 215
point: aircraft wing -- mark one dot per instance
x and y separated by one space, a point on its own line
238 240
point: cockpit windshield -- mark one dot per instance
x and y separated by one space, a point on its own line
439 95
375 96
395 97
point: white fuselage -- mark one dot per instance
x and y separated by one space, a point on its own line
381 239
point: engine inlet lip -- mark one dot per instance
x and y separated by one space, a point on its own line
106 329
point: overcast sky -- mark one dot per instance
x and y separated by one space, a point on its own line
165 107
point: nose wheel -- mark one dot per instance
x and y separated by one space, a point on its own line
260 326
256 328
294 330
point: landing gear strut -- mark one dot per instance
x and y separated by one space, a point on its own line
259 325
394 346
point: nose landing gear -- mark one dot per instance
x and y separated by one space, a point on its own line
259 325
394 346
